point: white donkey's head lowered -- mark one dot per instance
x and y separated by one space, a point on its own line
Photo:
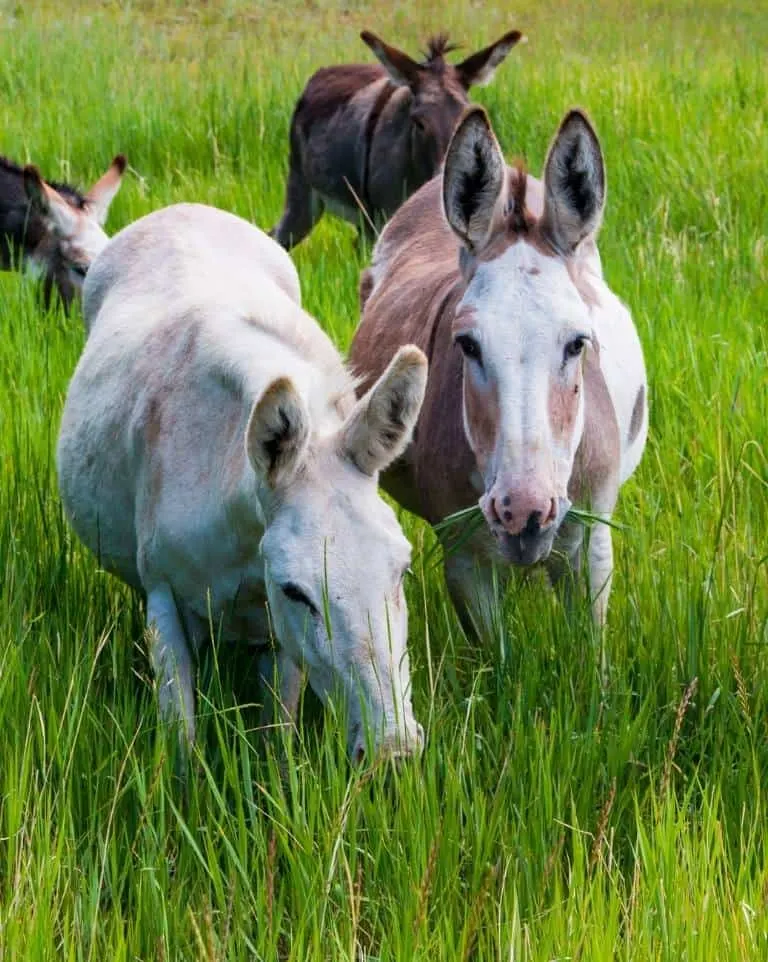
334 554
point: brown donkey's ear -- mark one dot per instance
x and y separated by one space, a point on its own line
474 179
481 66
574 184
402 70
101 195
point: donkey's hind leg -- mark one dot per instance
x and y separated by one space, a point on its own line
303 209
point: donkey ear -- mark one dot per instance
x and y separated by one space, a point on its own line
402 70
59 216
101 195
574 184
474 179
481 66
380 426
278 433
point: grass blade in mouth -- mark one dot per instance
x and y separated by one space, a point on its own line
468 520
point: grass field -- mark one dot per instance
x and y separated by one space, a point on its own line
545 820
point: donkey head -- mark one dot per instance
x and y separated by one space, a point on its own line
334 554
439 92
73 233
524 322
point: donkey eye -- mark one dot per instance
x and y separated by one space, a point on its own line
79 269
574 347
470 348
293 593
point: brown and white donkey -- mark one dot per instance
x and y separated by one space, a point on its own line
366 136
536 396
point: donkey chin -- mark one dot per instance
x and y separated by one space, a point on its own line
528 542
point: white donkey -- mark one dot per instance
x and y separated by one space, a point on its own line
212 454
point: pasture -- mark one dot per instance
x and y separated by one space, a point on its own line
548 818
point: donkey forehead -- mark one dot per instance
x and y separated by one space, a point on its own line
441 89
336 518
523 288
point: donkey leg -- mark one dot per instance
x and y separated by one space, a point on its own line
282 682
171 664
303 209
475 586
564 564
600 561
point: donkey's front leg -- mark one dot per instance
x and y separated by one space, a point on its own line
564 567
564 572
600 560
171 663
476 586
282 682
564 564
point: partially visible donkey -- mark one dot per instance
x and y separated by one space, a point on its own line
52 230
364 137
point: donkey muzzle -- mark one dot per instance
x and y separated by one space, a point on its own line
524 521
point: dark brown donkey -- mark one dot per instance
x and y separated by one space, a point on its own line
52 230
364 137
536 394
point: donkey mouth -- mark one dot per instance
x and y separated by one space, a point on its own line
525 549
532 544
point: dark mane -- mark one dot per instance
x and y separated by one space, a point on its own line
437 47
519 218
67 191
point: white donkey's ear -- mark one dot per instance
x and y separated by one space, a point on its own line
277 435
59 216
474 179
574 184
380 426
101 195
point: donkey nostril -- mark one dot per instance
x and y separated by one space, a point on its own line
533 524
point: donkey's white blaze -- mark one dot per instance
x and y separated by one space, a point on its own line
524 309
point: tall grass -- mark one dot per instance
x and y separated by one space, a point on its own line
549 818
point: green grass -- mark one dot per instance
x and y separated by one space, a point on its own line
547 819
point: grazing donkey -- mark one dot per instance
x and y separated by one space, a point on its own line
52 230
212 454
536 394
368 136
